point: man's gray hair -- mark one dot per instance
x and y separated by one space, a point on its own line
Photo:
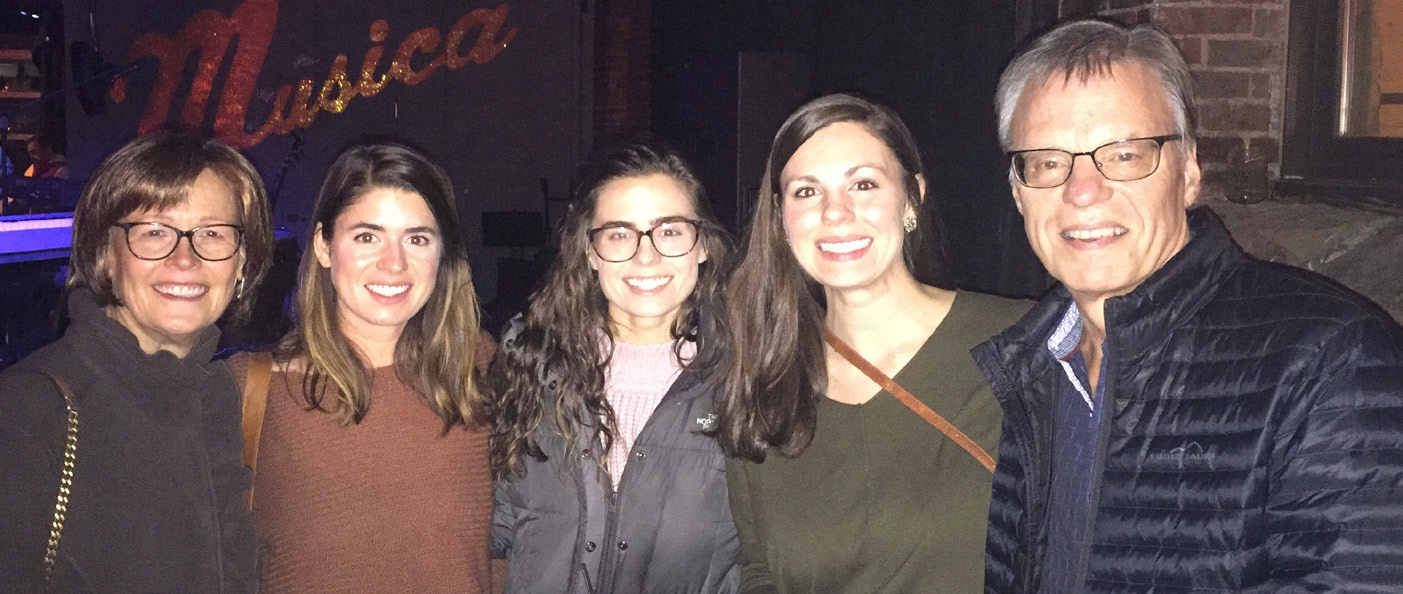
1090 48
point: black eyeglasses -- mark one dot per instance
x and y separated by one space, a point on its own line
157 241
1122 160
671 238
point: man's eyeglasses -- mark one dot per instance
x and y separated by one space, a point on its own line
619 242
1123 160
156 241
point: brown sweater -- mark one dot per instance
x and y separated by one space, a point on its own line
388 505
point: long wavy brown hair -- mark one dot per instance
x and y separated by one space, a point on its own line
551 365
436 350
777 371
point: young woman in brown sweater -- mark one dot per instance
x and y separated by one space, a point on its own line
372 470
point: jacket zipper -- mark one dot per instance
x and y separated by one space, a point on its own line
1099 464
611 521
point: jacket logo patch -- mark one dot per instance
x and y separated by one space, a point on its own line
1191 454
706 422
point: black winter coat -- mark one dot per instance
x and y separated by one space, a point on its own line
668 529
157 503
1252 438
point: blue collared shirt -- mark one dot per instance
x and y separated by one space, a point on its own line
1077 420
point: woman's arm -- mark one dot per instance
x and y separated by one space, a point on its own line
224 434
754 571
32 438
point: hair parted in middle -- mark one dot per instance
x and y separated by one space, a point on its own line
777 372
552 362
435 352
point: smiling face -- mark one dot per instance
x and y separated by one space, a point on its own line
383 257
844 205
645 292
1103 238
167 302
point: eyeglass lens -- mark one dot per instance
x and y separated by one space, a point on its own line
619 243
1127 160
154 241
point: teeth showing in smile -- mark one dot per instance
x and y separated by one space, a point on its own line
1094 234
182 290
387 290
647 283
845 247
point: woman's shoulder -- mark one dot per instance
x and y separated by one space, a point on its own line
997 312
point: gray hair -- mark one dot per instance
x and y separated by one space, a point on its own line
1090 48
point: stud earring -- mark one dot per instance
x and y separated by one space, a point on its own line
909 224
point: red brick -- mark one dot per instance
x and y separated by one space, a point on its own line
1268 149
1220 149
1234 117
1235 52
1181 20
1118 4
1192 48
1075 9
1269 23
1262 85
1222 85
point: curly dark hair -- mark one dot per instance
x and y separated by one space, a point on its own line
551 363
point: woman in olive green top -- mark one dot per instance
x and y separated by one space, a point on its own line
864 494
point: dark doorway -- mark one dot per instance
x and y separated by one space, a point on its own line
727 73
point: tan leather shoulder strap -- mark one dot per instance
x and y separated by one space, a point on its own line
255 401
920 408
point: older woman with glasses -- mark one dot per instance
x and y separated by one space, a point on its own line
602 390
121 450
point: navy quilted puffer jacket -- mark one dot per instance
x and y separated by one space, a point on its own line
1252 440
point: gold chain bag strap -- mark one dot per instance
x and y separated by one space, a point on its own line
920 408
65 483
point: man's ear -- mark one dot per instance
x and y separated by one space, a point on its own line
1016 189
320 248
1193 177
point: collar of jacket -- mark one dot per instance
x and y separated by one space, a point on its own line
102 342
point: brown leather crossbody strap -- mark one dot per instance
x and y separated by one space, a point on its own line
255 401
920 408
65 482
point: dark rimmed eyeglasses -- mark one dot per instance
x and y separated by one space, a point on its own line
157 241
671 237
1122 160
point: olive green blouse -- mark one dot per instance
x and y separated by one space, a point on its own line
881 501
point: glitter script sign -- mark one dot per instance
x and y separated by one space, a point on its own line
252 24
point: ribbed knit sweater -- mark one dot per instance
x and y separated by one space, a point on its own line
387 505
635 382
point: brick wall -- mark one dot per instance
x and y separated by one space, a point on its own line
622 89
1237 53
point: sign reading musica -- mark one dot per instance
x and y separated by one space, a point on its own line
252 24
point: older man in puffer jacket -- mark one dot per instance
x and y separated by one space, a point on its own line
1178 416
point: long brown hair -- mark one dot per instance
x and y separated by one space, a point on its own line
435 353
777 372
553 364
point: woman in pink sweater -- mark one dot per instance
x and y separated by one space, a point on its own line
372 470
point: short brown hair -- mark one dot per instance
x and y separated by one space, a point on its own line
155 172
